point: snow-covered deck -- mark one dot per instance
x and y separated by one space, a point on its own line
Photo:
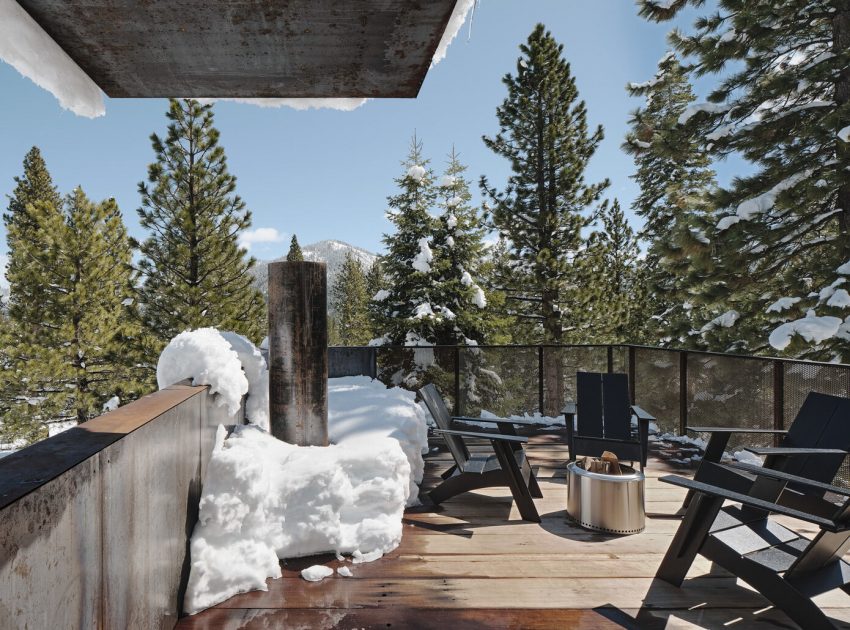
472 563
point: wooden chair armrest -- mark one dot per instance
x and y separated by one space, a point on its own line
790 450
784 476
517 421
729 495
734 430
642 414
487 436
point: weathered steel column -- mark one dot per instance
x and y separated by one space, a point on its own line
298 352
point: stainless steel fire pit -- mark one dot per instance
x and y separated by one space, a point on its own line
606 503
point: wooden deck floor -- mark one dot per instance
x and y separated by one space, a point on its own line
473 564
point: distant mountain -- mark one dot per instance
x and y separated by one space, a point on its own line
331 252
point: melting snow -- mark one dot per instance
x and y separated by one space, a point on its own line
812 328
782 304
316 573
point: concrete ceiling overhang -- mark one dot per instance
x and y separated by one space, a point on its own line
248 48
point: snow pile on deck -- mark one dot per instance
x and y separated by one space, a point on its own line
265 499
230 364
361 409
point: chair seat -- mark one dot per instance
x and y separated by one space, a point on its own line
480 464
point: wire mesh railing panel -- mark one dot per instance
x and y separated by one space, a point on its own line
802 378
412 368
731 392
501 380
560 365
620 359
656 386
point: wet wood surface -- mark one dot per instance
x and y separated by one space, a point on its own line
472 563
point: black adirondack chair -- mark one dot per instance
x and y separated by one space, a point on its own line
507 466
814 446
601 420
787 568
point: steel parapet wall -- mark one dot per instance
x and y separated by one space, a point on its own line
95 522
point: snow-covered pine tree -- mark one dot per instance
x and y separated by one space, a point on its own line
351 304
675 178
376 281
784 104
195 273
615 301
404 311
459 259
294 254
545 205
34 193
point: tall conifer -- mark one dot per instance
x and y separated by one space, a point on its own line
195 273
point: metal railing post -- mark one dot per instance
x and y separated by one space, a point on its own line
540 390
683 391
632 388
778 398
610 359
458 407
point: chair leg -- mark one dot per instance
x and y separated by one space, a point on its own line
713 453
689 538
449 471
799 607
534 486
519 489
464 482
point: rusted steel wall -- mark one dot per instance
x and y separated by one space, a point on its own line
352 361
94 522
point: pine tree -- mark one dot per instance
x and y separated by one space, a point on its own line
376 281
616 297
784 104
295 254
86 349
545 205
195 273
459 262
403 311
351 303
34 193
675 179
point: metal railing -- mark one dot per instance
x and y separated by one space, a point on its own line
679 387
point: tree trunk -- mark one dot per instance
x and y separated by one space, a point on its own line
840 44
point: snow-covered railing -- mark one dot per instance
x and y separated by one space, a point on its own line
95 520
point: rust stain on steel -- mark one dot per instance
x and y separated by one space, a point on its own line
249 48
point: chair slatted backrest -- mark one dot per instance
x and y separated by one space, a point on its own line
434 401
822 422
603 405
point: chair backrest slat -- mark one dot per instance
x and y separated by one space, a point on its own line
822 422
434 401
589 404
603 405
617 413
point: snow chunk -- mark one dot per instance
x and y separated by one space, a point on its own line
257 373
726 222
478 297
422 261
111 404
208 359
726 320
446 181
361 408
466 279
693 110
812 328
844 134
416 173
28 49
840 299
451 221
359 558
782 304
765 201
316 573
458 17
844 269
265 499
344 572
453 201
422 311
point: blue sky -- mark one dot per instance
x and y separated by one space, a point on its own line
325 174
